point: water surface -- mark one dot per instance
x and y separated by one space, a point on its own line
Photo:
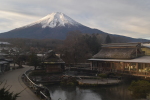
119 92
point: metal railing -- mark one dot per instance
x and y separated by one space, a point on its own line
41 91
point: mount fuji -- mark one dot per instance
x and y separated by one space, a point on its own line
53 26
56 26
56 20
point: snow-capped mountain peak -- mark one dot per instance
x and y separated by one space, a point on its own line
55 19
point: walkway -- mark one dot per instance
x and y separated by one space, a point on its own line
99 81
13 79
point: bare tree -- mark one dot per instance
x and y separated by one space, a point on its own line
75 49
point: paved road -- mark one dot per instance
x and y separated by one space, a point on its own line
13 79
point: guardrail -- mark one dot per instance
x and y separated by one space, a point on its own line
41 91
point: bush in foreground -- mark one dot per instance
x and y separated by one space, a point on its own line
5 94
140 89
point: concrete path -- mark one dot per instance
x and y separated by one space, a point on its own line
13 79
99 81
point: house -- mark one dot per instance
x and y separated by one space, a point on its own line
53 63
4 48
4 64
5 58
123 58
146 48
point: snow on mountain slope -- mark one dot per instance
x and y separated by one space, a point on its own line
55 20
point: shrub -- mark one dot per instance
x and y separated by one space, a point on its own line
69 81
5 94
140 89
103 75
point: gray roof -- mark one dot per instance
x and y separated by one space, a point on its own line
3 62
4 43
143 59
121 45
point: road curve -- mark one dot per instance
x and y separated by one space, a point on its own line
13 79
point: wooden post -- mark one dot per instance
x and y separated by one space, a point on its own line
137 68
144 69
97 65
92 65
129 67
123 66
111 66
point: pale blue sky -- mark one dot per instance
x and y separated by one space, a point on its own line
122 17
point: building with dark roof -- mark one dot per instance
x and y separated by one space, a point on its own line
122 57
4 64
53 63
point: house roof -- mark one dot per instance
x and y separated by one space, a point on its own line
115 53
143 59
50 57
4 43
118 51
3 62
116 45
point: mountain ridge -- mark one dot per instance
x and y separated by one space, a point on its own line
54 26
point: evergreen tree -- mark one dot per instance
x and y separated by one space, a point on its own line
93 44
33 60
5 94
108 39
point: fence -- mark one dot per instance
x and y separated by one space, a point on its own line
39 90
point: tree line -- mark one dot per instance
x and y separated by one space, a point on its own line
76 48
